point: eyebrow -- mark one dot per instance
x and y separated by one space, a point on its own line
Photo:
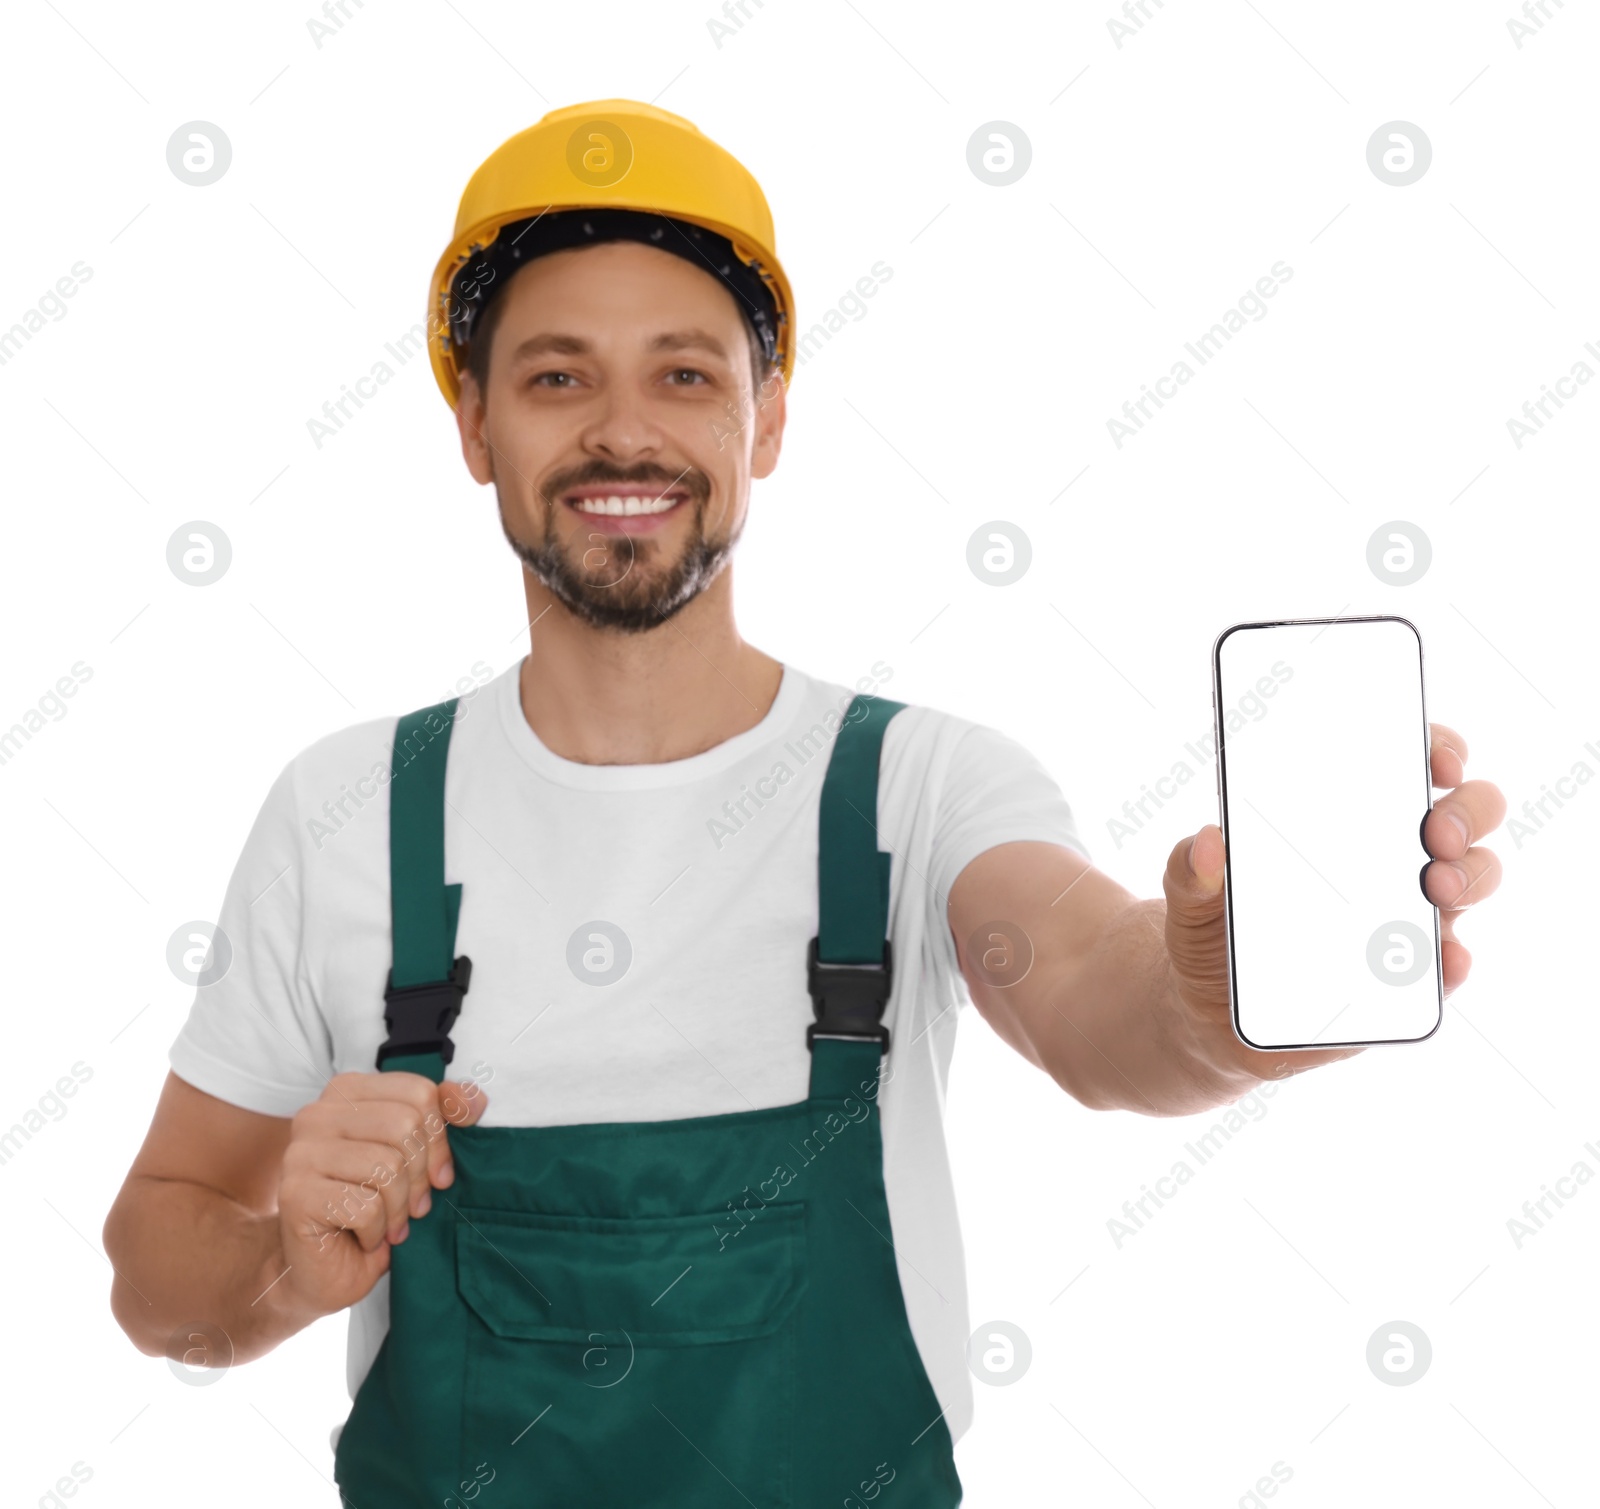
574 345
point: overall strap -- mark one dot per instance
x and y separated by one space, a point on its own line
426 982
849 964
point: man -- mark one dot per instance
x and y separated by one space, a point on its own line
698 920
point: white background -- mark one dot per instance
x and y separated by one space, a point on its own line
1167 176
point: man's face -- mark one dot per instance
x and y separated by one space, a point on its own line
621 427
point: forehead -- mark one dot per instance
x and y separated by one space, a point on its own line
617 288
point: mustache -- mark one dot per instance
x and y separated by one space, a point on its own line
593 473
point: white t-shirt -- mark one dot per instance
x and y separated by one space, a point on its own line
708 865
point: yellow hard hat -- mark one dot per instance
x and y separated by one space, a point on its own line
608 154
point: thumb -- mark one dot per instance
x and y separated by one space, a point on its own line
1193 881
462 1102
1196 936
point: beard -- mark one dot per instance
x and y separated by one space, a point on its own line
620 581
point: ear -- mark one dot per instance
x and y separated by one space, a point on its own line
471 416
771 400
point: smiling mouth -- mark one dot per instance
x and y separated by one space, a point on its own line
625 504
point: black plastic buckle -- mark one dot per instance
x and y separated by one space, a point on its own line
419 1017
849 998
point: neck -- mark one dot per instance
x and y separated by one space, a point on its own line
604 697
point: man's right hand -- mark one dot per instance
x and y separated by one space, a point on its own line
362 1162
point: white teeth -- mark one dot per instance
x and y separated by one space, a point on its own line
632 504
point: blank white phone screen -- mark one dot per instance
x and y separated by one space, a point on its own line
1323 759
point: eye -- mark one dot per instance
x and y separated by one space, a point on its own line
690 372
566 379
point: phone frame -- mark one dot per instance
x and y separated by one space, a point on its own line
1222 812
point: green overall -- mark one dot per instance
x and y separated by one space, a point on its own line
653 1315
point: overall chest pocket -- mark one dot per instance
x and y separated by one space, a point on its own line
644 1363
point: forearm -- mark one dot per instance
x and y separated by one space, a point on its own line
185 1257
1118 1035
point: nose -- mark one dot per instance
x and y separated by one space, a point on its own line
620 427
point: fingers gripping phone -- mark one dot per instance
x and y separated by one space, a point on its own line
1324 785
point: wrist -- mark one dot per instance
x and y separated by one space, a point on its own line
1228 1066
277 1298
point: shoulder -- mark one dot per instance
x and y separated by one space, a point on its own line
323 784
911 725
371 746
956 766
342 757
925 747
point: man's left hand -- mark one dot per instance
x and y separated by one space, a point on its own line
1459 875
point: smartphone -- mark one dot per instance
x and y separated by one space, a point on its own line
1323 786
